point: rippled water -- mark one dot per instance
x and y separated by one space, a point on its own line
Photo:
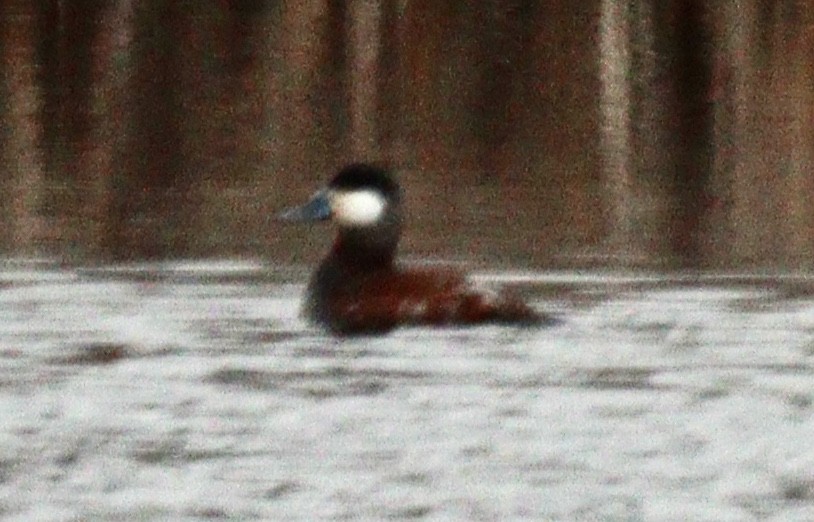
193 391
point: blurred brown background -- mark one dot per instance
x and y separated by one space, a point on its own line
672 133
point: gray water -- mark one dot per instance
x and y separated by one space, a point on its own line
195 392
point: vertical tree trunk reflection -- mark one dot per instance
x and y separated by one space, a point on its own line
672 133
20 157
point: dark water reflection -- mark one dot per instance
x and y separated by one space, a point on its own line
547 135
192 390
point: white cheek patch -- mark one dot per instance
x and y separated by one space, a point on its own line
357 208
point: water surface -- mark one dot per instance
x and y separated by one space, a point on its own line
193 391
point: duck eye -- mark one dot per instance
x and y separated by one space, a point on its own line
358 208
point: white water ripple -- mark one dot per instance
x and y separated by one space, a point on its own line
194 392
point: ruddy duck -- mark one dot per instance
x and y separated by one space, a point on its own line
359 289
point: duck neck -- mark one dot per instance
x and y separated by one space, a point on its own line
363 251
